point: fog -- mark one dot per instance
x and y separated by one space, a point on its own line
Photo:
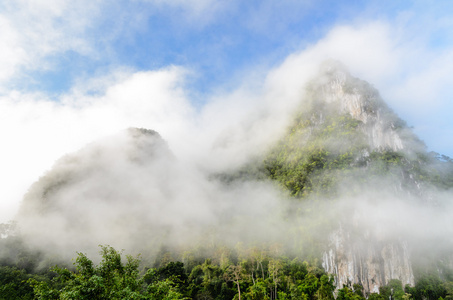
82 179
137 190
131 192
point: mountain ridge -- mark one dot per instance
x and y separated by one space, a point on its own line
353 175
347 142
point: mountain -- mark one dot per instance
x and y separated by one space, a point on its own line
349 186
91 194
348 147
345 129
130 191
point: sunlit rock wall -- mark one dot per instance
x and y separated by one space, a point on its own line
363 103
365 261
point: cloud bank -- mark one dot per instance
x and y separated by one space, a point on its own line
396 54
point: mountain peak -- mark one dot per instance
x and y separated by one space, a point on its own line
336 91
345 130
106 184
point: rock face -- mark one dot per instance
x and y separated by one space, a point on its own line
348 149
366 261
355 255
383 128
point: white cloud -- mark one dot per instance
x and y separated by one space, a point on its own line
34 30
411 75
36 131
35 34
395 56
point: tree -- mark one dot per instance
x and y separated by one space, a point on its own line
326 289
376 296
429 287
257 291
160 289
274 269
234 273
13 284
348 294
309 285
175 272
111 279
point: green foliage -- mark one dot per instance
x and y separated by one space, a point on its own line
376 296
13 283
161 289
309 285
323 148
111 279
253 272
258 291
307 160
326 289
347 293
393 289
429 287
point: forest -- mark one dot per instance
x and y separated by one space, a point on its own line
239 273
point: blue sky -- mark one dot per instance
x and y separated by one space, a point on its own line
216 39
73 71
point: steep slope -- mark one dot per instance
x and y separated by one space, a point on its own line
346 129
109 191
348 146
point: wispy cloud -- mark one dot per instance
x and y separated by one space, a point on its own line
36 130
405 53
35 31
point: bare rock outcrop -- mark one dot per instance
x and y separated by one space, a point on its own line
364 260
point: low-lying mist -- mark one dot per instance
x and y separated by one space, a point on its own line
131 192
134 191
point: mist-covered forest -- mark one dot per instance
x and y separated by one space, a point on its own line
344 202
239 273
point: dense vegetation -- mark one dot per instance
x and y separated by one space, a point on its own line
253 274
324 149
307 160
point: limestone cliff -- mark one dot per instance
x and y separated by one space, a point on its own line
357 253
346 142
366 261
363 258
357 98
